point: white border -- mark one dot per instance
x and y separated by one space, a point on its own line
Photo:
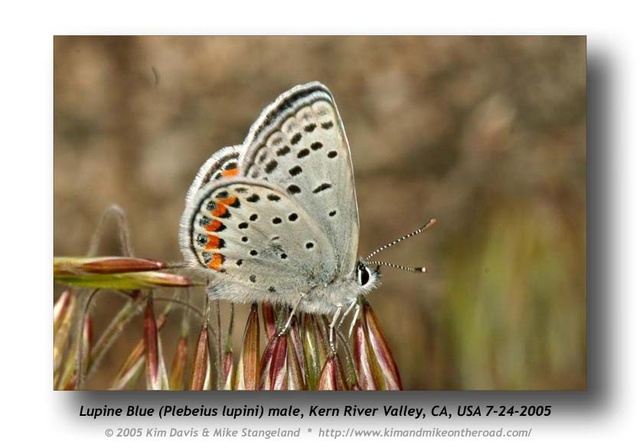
31 409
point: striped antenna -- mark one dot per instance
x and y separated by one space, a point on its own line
431 222
417 269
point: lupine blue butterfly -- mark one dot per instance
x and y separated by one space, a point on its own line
276 218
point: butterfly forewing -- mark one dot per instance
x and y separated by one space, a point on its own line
256 241
299 144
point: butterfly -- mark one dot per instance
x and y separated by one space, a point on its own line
275 219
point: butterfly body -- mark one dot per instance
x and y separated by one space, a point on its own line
276 219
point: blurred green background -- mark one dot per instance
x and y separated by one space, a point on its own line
486 134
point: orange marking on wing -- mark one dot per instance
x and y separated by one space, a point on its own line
231 200
214 226
213 243
230 173
216 262
220 209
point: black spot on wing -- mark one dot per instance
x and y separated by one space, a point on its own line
272 165
283 151
322 187
327 125
296 138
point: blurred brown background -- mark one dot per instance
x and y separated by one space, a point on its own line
487 134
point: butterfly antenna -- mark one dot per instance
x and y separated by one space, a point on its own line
418 231
418 269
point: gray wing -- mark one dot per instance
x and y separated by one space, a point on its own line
254 242
299 143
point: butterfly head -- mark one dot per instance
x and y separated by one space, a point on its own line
367 277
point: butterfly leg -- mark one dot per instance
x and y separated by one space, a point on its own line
293 313
332 328
350 308
356 313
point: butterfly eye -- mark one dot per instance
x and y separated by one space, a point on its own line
363 275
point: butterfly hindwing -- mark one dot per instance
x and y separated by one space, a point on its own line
255 240
222 164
